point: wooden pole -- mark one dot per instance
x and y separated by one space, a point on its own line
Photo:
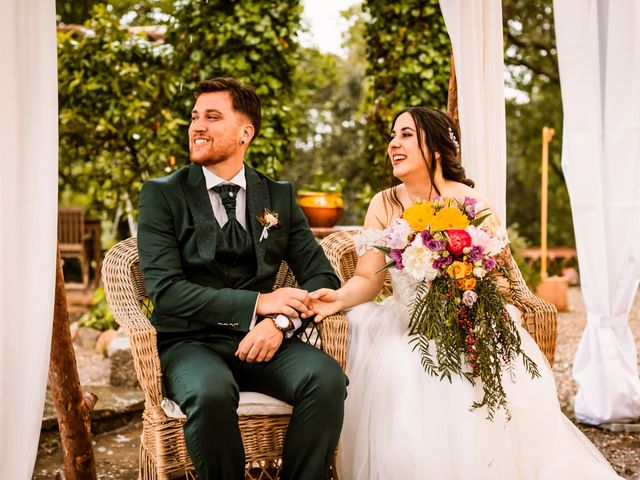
73 407
547 135
452 99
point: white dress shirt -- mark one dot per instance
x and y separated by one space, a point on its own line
212 180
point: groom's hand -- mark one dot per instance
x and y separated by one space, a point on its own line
261 343
292 302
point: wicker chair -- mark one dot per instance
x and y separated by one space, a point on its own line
540 318
163 452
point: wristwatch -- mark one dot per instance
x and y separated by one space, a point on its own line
282 323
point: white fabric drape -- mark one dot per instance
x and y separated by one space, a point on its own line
475 29
599 57
28 213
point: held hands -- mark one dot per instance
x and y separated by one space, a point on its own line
292 302
325 302
261 343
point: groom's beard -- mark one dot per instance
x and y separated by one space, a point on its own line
215 153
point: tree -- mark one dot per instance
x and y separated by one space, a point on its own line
531 59
329 119
116 126
252 41
140 12
408 56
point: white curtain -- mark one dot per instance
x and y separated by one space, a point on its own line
599 56
28 212
475 29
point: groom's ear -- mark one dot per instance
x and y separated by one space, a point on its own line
247 133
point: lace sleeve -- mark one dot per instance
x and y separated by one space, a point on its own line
369 239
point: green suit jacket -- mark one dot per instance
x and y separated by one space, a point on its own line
177 235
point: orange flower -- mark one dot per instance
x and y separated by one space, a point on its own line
466 283
457 270
450 218
419 216
469 269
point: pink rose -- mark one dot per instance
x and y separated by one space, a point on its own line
458 241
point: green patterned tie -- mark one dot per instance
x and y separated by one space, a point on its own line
233 234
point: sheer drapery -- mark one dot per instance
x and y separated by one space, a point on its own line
599 58
28 213
475 29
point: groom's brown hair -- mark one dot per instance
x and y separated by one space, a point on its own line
244 97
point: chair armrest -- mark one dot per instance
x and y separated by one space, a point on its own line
334 334
539 318
146 360
125 292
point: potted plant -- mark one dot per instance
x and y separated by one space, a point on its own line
321 201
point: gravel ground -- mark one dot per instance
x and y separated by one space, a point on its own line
117 452
621 449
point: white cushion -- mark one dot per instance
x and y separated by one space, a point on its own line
251 403
254 403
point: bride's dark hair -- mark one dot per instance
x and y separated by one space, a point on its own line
441 136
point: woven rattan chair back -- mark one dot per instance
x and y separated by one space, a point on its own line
163 453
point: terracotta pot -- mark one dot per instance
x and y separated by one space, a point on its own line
555 290
321 209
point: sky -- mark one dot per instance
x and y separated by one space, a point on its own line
326 27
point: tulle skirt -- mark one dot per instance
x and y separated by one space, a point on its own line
403 424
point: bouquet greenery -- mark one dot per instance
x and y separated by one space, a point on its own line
459 311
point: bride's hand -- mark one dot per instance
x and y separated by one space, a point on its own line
324 302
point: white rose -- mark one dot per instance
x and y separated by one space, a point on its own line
479 272
270 219
418 262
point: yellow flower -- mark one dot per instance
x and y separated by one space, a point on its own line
457 270
450 218
419 215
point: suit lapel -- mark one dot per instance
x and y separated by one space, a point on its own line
204 221
258 200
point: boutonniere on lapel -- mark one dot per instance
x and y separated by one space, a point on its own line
269 221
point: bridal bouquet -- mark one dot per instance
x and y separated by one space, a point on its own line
451 250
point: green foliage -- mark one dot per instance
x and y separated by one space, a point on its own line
446 331
325 183
139 12
116 126
531 59
74 11
125 101
329 117
100 316
408 53
252 41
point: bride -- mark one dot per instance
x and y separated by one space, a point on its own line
404 424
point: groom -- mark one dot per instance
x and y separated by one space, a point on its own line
211 238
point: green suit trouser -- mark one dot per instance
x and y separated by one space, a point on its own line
202 375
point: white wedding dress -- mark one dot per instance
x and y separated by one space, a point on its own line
403 424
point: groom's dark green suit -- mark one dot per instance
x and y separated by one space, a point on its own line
204 300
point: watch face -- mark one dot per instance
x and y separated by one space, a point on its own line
282 322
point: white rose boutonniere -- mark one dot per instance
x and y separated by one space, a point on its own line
268 220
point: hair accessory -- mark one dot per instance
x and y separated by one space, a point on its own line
453 138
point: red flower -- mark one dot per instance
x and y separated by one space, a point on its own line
458 240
